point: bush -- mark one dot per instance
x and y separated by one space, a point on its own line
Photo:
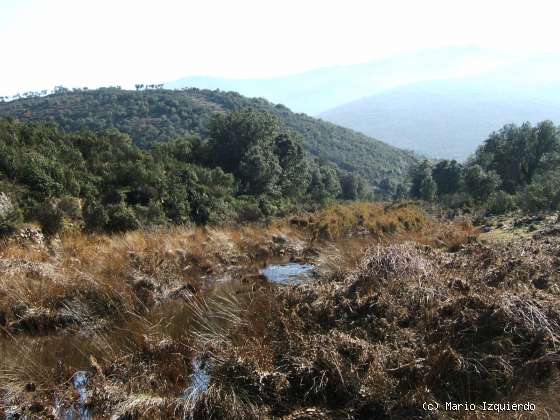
501 202
70 207
268 206
95 217
121 219
51 219
152 214
543 194
457 200
247 209
480 184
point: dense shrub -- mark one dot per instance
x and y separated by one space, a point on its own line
95 217
70 207
247 209
187 180
514 167
121 219
542 194
501 202
51 219
154 116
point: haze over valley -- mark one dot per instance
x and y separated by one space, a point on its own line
440 103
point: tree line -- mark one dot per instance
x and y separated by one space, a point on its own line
247 168
515 167
61 89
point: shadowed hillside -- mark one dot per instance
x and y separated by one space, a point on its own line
152 116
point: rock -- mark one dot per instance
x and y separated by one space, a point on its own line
550 230
30 235
527 220
486 228
13 413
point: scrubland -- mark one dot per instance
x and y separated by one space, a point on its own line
403 309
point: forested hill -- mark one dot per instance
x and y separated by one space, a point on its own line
158 115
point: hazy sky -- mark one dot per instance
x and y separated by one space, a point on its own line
109 42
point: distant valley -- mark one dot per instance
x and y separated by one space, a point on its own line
440 103
448 118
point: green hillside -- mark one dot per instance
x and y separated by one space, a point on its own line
156 115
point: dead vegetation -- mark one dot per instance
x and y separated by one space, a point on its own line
177 325
407 324
375 220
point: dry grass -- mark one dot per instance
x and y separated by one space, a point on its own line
404 310
373 219
401 327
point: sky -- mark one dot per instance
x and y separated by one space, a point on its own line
94 43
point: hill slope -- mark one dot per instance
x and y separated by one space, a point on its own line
159 115
450 118
319 90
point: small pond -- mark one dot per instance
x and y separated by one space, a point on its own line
288 273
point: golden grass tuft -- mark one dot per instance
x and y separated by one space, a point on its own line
376 219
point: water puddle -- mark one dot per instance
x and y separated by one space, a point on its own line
81 381
83 412
200 380
288 273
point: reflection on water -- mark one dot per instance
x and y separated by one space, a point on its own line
200 378
83 412
80 383
289 273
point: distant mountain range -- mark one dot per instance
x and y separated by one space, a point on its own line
450 118
319 90
441 103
